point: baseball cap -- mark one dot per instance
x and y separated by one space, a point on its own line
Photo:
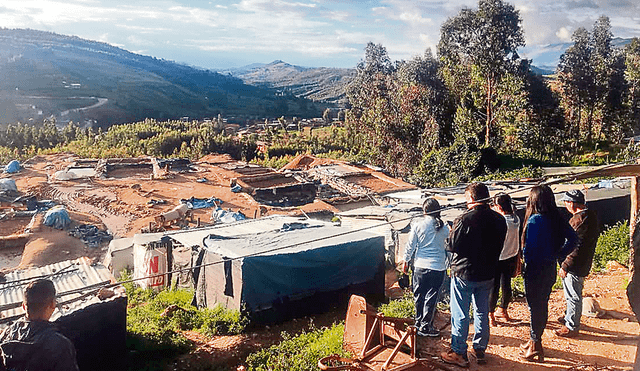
574 195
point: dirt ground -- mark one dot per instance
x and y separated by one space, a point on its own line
607 343
121 204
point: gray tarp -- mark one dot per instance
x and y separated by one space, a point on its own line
300 271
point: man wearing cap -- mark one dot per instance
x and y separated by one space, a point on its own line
34 343
576 266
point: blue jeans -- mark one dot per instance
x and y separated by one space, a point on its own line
572 286
462 292
538 283
426 285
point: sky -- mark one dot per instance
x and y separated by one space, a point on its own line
222 34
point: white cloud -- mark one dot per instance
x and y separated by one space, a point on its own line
564 34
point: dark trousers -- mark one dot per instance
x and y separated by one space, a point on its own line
502 281
426 285
538 283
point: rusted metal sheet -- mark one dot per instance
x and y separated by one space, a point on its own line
377 342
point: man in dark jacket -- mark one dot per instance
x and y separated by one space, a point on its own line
33 343
475 241
576 266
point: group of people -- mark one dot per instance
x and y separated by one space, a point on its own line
488 245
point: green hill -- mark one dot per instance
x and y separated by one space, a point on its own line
45 75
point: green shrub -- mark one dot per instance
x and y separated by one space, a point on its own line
153 336
515 174
300 352
613 244
400 308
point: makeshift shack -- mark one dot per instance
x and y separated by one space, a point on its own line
280 267
95 323
119 257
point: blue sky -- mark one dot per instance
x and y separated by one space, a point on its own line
329 33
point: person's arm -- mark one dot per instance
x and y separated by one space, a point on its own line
410 248
571 241
581 231
455 236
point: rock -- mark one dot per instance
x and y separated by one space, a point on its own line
613 265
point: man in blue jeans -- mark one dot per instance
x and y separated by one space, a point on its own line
577 265
475 242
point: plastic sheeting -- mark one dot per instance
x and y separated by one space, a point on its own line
301 272
57 217
150 259
91 235
65 175
12 167
8 185
227 216
201 203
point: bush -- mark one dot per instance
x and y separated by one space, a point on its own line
613 244
151 335
400 308
300 352
448 166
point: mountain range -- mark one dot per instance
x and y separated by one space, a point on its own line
318 84
66 78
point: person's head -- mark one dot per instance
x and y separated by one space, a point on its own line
541 201
574 201
39 300
476 193
431 207
503 204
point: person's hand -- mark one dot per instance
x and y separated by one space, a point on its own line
562 273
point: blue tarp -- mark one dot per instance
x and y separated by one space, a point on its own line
227 216
201 203
57 217
12 167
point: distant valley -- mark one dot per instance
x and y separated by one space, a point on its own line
49 76
321 84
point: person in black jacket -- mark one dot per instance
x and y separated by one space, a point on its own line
577 265
475 241
33 343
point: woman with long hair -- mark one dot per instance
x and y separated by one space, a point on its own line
425 248
546 238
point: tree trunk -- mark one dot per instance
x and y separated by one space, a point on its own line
487 136
590 123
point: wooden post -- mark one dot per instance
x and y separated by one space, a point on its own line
633 289
635 208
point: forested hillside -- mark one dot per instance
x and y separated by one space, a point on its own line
318 84
45 74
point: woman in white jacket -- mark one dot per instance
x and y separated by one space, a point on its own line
425 248
508 264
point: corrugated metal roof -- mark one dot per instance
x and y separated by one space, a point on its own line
71 278
192 238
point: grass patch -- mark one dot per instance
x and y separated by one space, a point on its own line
400 308
154 338
300 352
613 244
